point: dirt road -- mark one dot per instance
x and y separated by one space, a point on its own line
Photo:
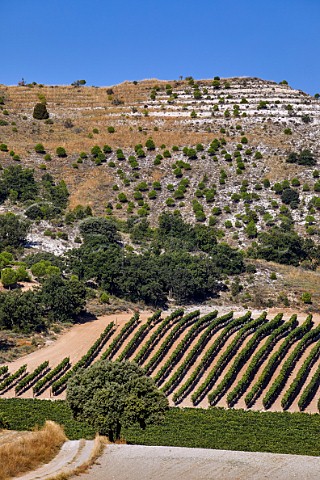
135 462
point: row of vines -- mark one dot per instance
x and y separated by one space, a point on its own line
207 359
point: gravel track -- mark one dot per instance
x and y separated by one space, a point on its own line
135 462
73 454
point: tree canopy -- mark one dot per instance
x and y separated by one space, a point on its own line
111 395
284 246
13 231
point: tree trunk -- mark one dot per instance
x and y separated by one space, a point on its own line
114 434
111 436
118 430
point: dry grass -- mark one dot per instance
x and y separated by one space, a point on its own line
291 281
30 451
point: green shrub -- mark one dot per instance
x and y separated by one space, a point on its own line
150 144
295 182
140 153
61 152
62 236
262 105
120 154
22 274
8 277
170 202
142 186
96 151
104 297
306 297
39 148
40 112
107 149
306 118
156 185
152 194
305 157
122 197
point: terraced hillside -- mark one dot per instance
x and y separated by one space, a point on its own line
216 143
240 361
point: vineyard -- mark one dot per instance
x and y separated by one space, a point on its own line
239 361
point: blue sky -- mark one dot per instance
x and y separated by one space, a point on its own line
106 42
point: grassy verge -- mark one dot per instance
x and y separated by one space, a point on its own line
28 452
294 433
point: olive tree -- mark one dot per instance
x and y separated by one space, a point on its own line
111 395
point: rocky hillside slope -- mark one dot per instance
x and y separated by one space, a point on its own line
179 114
218 151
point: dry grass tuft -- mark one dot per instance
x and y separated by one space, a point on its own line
30 451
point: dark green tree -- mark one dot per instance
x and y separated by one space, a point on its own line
305 157
20 180
78 83
99 229
290 197
251 229
21 311
281 246
40 112
112 395
13 231
63 300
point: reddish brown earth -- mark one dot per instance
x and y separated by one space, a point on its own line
76 342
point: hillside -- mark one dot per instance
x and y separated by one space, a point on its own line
259 110
219 156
